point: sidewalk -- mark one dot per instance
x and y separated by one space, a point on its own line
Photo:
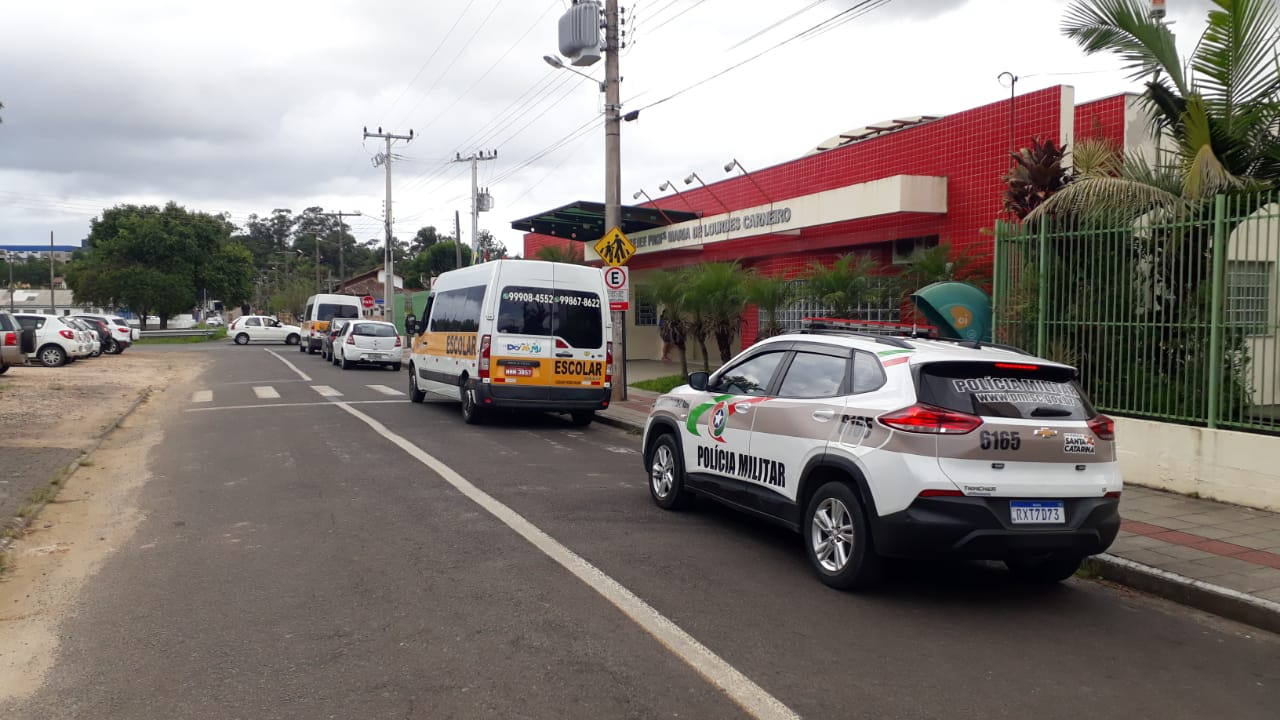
1220 558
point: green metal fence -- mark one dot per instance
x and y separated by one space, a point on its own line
1168 314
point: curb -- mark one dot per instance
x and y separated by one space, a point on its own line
1215 599
67 472
620 423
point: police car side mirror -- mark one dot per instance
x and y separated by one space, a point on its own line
698 380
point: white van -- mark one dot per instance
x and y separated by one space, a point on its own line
319 311
516 334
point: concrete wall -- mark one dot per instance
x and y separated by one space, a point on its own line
1234 467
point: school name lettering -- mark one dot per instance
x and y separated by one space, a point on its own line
748 467
709 230
460 344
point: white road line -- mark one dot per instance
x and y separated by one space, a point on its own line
292 367
384 389
266 392
750 697
272 406
326 391
202 396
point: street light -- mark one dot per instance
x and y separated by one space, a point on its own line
638 193
694 176
729 166
556 63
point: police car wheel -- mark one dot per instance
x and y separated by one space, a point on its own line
666 475
837 541
1047 569
471 413
416 394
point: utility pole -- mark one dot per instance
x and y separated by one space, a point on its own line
457 236
342 241
53 302
388 261
613 176
479 203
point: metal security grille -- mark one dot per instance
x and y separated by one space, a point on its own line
1249 296
646 314
791 317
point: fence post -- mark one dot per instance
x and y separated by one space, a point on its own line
1043 291
996 272
1215 309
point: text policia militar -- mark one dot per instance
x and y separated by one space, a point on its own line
745 466
704 231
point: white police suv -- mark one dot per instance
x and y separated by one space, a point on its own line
880 446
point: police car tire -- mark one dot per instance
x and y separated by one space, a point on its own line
1044 569
863 567
665 459
416 394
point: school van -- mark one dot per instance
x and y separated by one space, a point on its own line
517 335
319 311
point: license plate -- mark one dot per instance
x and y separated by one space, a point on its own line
1033 512
518 371
375 355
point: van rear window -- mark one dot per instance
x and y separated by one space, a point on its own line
329 311
1007 390
572 315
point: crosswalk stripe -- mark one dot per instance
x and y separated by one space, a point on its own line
202 396
266 392
326 391
385 390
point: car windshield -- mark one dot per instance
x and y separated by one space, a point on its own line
1007 390
374 330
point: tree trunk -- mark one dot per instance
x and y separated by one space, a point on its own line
706 356
164 322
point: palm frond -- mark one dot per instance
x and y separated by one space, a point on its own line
1096 156
1203 171
1235 60
1104 194
1123 27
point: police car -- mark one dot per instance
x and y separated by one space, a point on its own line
882 446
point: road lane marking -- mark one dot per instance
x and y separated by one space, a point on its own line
292 367
265 392
326 391
750 697
318 403
385 390
202 396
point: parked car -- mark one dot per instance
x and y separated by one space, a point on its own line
874 447
213 321
368 341
11 341
96 333
326 342
262 328
122 336
57 343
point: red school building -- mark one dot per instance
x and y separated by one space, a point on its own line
884 189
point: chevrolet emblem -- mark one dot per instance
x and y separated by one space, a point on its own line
1046 433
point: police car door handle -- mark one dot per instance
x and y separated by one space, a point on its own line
824 415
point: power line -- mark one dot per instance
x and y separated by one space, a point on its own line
430 57
775 24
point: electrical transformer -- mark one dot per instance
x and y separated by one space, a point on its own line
580 33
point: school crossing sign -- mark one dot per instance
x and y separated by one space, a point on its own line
614 248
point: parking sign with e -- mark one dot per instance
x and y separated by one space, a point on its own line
617 281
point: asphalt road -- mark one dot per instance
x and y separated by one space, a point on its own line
299 560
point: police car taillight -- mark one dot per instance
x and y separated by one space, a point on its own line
484 356
608 364
922 418
1104 427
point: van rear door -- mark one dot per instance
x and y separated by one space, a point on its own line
549 331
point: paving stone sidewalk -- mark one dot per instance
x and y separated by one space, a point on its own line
1223 545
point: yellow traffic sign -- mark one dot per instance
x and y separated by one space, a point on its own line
614 248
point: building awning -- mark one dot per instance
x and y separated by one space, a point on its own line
584 221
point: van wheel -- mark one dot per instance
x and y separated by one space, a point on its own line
666 475
416 394
581 418
52 356
837 541
242 339
301 348
1044 569
471 413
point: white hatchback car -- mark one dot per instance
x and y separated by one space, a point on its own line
876 447
262 328
368 341
56 342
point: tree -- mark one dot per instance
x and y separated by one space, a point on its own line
845 287
488 247
670 291
570 253
717 297
1220 108
439 258
1037 174
425 238
770 294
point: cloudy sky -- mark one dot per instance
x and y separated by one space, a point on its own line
242 106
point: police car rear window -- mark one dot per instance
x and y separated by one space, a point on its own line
571 315
1007 390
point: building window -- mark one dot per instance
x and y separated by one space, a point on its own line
1249 296
791 317
906 247
646 314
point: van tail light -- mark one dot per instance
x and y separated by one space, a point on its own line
561 344
10 339
1104 427
398 343
608 363
351 339
922 418
484 356
67 334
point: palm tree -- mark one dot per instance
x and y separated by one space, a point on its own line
571 254
845 287
1221 108
717 295
669 290
770 294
